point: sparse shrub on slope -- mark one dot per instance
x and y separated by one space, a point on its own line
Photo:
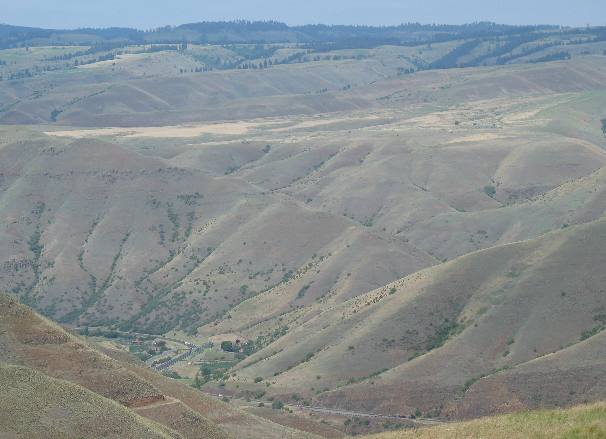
490 190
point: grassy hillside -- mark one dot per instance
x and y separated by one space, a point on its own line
501 329
147 89
34 405
168 236
33 341
38 354
583 422
388 241
175 244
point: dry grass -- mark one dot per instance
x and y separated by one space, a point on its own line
584 422
92 376
33 405
179 131
344 205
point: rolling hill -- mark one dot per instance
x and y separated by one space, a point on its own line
387 233
511 320
202 213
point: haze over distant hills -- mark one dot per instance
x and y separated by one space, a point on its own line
146 14
403 221
267 32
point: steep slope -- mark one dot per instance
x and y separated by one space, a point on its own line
424 342
568 376
28 340
34 405
96 234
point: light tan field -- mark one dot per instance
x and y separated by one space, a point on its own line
118 61
184 131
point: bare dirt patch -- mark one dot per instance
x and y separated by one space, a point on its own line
176 131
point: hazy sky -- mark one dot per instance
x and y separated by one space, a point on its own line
145 14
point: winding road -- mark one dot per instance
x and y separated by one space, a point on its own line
349 413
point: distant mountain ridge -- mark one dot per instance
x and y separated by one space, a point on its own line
260 32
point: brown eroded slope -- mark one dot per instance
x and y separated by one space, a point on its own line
29 340
33 405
